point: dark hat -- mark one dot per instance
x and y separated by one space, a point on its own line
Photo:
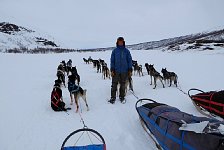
120 39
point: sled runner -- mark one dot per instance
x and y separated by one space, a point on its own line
78 134
169 128
208 103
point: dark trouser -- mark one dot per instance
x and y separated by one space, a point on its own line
118 78
59 107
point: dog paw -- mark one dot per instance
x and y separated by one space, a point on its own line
71 103
76 111
87 109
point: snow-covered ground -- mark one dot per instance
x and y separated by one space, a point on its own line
28 122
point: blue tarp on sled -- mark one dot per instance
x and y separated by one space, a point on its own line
164 121
88 147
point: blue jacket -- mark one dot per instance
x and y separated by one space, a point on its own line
121 60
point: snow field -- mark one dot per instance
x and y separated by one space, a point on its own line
28 122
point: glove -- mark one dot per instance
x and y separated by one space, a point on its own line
112 73
129 74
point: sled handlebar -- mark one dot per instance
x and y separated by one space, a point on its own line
144 99
194 89
97 134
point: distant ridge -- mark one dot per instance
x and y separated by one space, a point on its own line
14 38
216 36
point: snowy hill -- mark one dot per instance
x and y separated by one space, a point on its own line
204 40
28 122
215 37
13 36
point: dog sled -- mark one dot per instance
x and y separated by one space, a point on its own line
172 129
210 103
72 140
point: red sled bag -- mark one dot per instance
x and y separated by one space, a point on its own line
212 101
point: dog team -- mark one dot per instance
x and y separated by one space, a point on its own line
76 92
121 67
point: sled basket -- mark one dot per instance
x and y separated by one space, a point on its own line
212 101
164 123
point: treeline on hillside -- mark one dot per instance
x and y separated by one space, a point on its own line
49 50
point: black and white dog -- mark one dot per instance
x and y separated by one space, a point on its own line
76 92
64 65
76 75
61 74
85 60
95 62
69 66
170 76
134 62
105 71
98 67
155 74
138 69
147 68
101 61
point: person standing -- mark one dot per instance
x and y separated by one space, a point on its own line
121 69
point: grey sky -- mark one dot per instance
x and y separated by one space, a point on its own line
97 23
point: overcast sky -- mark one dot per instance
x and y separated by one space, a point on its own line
97 23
